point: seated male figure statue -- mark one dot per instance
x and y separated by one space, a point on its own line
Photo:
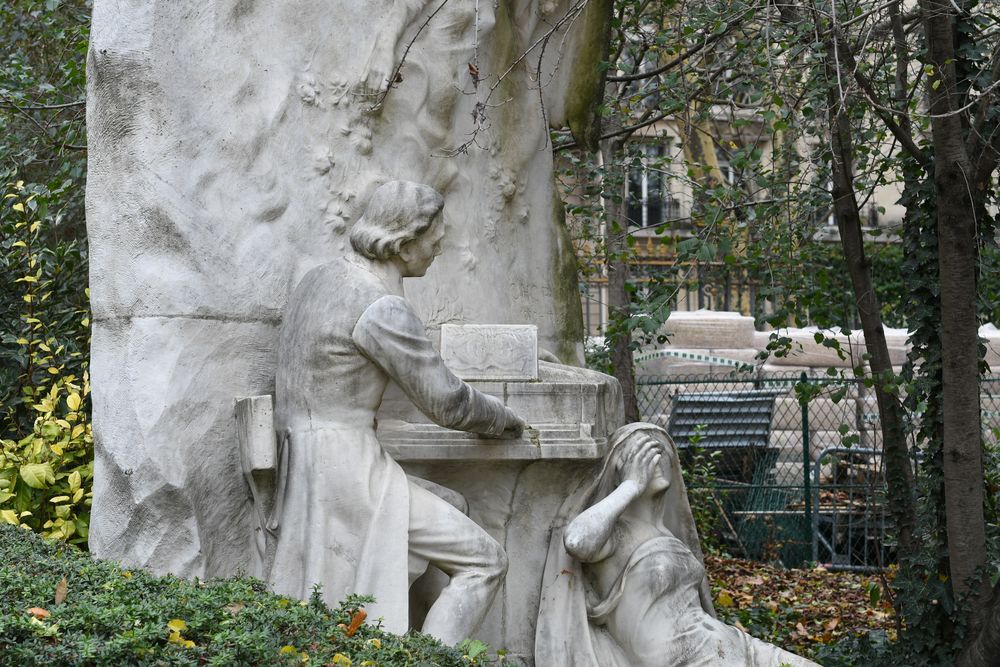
349 519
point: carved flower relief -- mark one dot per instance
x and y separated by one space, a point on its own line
308 91
359 135
323 160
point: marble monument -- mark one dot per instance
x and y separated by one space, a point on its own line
232 145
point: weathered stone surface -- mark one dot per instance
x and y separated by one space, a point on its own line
514 502
805 351
231 144
570 413
491 351
707 329
824 414
629 551
789 443
169 493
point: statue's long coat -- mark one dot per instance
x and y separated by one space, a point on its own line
343 502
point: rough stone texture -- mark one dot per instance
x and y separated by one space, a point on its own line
824 414
709 329
789 443
229 150
991 335
805 351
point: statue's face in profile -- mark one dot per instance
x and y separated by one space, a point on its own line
418 255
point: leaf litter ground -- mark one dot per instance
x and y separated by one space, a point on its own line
799 609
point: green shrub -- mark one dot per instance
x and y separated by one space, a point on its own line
60 607
46 445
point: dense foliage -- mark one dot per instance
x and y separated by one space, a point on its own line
744 137
46 447
60 607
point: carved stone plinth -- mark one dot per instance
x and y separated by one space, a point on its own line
513 488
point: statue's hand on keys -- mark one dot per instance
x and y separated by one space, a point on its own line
513 425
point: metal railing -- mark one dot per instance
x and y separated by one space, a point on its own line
795 461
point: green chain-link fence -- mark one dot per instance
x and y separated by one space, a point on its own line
790 465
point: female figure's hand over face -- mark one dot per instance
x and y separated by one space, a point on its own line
641 462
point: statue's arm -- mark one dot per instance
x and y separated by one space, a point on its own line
392 336
588 538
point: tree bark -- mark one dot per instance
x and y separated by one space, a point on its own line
898 469
618 335
957 261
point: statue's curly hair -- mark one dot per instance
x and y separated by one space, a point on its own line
398 212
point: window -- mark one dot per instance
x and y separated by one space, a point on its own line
650 201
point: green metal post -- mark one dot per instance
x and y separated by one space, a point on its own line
806 481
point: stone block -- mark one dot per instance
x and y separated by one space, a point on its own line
805 351
491 351
898 342
991 335
824 414
570 413
255 433
789 443
706 329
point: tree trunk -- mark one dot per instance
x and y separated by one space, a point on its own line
618 335
898 469
957 260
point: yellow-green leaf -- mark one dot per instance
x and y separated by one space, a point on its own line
74 477
9 517
19 207
177 625
18 244
37 475
59 499
73 401
724 598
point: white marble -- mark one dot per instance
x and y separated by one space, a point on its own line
708 329
624 582
491 351
231 146
346 517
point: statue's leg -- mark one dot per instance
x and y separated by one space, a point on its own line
476 563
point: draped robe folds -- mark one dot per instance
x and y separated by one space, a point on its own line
343 503
657 610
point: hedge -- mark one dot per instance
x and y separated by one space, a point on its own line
58 606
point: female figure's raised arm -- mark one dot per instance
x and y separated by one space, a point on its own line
589 537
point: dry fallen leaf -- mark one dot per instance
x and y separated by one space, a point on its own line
359 617
38 612
235 608
61 589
